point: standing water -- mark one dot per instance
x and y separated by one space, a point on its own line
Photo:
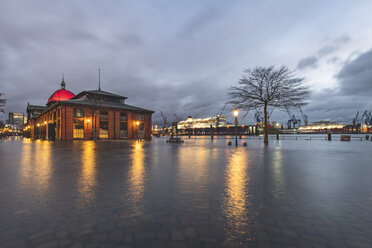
202 193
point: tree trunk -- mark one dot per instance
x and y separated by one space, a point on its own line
266 129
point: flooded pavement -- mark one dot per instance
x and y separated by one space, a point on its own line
202 193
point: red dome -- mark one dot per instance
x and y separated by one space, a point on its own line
61 95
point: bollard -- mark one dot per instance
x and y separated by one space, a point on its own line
277 136
229 143
329 137
244 143
367 137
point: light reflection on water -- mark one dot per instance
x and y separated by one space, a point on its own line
277 172
87 178
136 180
236 199
36 166
217 190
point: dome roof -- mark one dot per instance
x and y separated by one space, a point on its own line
61 95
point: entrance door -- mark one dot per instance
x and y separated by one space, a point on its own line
52 131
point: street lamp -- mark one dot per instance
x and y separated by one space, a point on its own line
236 113
138 136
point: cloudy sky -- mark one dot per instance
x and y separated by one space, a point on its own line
182 56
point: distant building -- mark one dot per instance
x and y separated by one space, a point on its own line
16 120
87 115
321 127
219 121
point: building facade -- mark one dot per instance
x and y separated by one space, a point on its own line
16 119
94 114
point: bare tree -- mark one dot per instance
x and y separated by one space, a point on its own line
262 87
2 103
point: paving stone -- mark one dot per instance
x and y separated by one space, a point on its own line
91 245
158 244
116 236
99 237
52 244
145 235
163 235
176 244
190 232
61 234
77 245
128 238
177 235
64 242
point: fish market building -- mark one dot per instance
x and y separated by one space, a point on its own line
91 114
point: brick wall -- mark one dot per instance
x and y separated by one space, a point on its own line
65 132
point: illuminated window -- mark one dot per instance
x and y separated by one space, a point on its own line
78 130
103 125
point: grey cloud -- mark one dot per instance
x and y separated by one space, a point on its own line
332 47
327 50
202 19
356 76
308 62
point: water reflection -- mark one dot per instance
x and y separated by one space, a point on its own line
235 204
277 173
87 179
136 178
36 166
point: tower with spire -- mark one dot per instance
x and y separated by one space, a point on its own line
63 84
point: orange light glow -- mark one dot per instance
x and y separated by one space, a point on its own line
137 123
236 113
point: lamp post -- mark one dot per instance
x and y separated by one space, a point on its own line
236 113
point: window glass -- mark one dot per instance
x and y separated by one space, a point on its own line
78 113
103 115
78 131
123 116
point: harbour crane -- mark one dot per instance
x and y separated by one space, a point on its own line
258 117
218 115
177 118
366 118
165 121
304 117
355 120
292 122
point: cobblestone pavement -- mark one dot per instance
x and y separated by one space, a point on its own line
198 194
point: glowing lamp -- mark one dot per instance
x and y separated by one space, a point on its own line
38 125
45 122
236 112
137 123
88 120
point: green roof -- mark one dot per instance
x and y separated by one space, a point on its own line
99 92
105 105
36 107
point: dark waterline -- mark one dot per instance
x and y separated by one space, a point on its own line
203 193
